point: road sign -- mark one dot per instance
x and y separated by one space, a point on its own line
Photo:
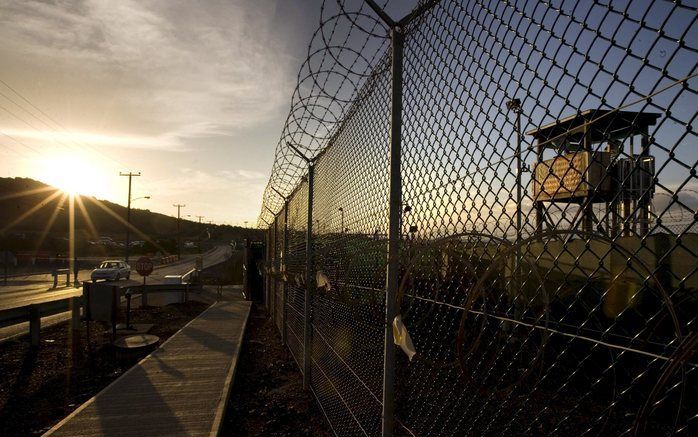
144 266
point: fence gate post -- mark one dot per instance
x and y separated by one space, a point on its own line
391 305
309 281
285 262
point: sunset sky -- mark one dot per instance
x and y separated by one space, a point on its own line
191 94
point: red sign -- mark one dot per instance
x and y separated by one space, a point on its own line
144 266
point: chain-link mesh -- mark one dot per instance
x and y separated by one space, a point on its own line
347 313
281 279
548 274
295 265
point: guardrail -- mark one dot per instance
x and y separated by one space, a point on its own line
173 283
34 312
191 275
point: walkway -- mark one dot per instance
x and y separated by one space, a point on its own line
180 389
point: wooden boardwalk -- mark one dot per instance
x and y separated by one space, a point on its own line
180 389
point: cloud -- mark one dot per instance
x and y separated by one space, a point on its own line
51 137
242 174
228 199
165 71
209 81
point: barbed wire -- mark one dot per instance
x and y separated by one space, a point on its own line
343 53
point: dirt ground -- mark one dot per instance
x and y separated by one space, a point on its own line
38 388
267 396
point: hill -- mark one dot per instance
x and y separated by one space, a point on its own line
36 215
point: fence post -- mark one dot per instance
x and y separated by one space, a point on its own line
309 281
267 270
285 261
275 261
391 305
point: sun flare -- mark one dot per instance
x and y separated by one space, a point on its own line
73 174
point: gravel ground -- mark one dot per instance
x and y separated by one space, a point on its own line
38 388
267 396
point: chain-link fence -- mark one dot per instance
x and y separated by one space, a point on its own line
482 218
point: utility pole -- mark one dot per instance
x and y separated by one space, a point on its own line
128 211
201 237
179 207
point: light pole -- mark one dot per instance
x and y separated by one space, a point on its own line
128 210
341 211
514 105
179 207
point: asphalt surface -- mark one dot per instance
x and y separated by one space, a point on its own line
33 289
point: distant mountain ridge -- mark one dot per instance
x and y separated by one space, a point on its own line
19 196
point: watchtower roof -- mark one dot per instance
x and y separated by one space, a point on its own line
600 124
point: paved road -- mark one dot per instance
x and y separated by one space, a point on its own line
45 280
36 288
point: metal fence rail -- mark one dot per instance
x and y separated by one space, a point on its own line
482 218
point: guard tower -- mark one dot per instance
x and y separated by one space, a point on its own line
584 171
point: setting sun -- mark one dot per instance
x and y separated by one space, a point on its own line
73 174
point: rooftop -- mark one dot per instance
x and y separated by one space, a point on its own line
605 124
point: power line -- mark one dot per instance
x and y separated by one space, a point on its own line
65 129
7 148
33 126
20 143
53 129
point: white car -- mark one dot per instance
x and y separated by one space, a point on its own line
111 270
